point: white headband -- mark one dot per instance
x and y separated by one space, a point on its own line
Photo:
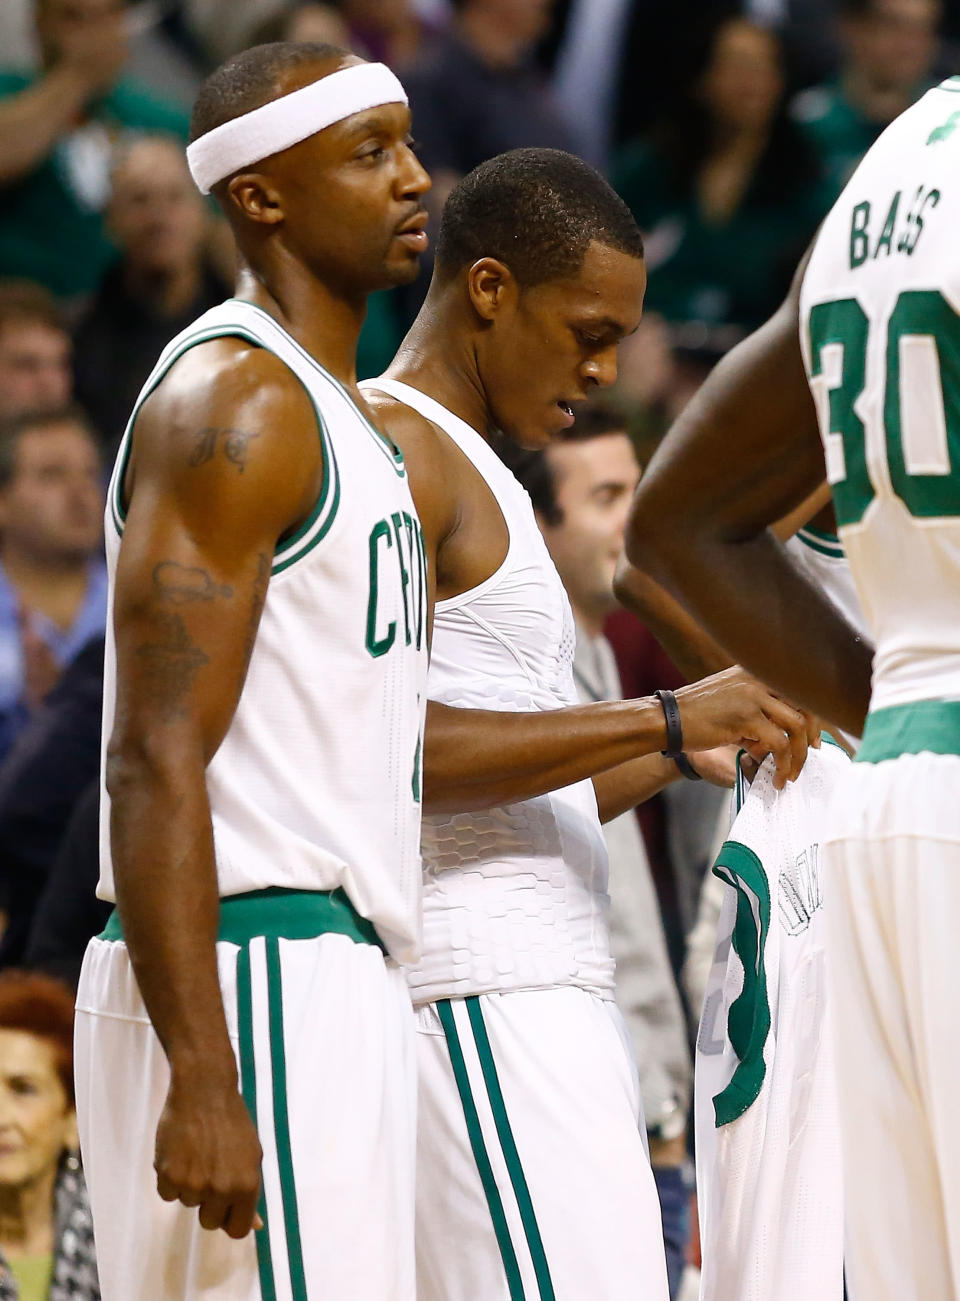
286 121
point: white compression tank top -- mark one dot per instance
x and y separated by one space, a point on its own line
514 897
316 783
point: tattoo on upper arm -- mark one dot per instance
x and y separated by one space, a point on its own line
171 663
183 584
234 444
259 595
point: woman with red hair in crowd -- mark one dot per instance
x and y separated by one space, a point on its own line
46 1231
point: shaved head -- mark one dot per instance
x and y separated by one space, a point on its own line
252 78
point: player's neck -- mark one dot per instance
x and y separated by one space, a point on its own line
54 585
437 357
326 323
26 1218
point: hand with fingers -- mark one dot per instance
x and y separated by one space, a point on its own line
733 708
208 1156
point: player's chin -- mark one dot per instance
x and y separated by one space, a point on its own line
401 268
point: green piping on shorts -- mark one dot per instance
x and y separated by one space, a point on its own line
479 1148
248 1085
281 914
927 726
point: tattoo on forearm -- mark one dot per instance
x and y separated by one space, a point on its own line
170 665
258 596
183 584
234 444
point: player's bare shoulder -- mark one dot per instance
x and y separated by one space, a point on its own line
431 468
229 421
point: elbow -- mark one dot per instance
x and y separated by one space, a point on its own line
136 761
646 543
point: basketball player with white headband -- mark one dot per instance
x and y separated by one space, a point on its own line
265 665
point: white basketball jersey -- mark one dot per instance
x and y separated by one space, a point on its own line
316 784
769 1179
514 897
880 332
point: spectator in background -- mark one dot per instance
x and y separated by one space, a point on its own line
58 127
727 191
581 487
475 91
46 1229
160 284
46 771
891 47
391 31
34 351
53 584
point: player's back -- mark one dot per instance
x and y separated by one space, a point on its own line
880 330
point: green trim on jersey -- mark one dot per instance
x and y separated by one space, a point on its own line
281 914
248 1088
317 524
928 726
951 84
748 1018
383 441
826 544
479 1149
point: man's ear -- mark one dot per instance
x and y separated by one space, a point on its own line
491 288
256 198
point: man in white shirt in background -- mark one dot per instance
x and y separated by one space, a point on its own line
581 487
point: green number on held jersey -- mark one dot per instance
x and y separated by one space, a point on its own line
921 404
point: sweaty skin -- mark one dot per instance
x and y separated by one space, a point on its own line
225 462
460 352
744 454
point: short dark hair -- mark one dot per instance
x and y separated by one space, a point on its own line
535 210
249 79
533 470
25 302
13 429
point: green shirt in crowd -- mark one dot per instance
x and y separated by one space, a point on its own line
33 1275
51 219
838 130
733 272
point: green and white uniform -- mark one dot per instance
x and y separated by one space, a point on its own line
314 796
880 331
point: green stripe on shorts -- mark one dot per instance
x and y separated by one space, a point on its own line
248 1084
291 1217
510 1153
479 1149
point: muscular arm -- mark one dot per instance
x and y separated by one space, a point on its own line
694 652
744 454
226 459
478 759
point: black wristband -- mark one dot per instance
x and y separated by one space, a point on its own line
686 767
671 712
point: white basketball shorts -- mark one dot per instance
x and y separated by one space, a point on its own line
322 1029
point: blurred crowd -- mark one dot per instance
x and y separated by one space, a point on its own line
729 129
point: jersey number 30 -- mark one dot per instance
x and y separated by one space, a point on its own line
919 402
